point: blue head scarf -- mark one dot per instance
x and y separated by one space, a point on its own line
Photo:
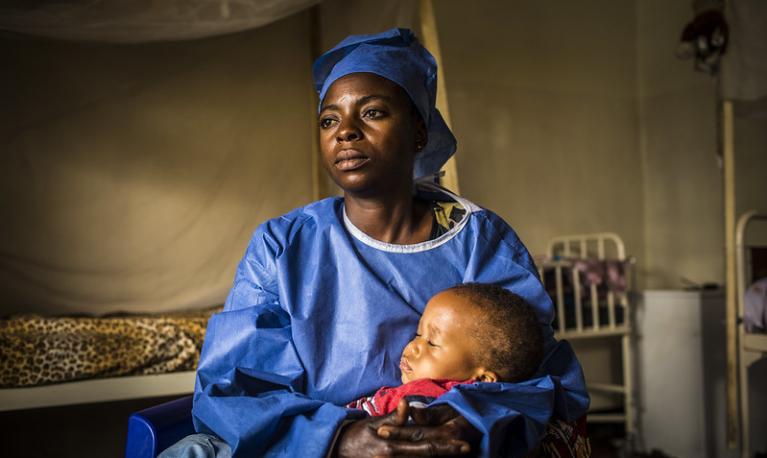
397 56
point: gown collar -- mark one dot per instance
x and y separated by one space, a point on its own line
430 188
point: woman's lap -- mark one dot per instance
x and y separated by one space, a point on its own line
198 446
562 439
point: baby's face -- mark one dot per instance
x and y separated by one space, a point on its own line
444 346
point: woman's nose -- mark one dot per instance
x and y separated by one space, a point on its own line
348 131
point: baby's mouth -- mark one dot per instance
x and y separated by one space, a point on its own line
404 366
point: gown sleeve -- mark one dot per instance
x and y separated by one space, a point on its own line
250 380
513 416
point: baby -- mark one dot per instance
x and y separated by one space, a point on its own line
469 333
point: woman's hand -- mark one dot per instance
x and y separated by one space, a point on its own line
438 431
436 425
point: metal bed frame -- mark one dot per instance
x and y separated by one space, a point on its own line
751 347
562 251
97 390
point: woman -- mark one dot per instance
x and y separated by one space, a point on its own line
327 296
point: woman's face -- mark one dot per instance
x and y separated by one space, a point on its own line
369 132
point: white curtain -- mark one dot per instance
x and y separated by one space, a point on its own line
132 176
140 21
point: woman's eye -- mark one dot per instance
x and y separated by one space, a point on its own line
373 113
326 122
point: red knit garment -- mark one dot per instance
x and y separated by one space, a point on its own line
385 400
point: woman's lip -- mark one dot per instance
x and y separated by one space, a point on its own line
354 163
404 366
349 153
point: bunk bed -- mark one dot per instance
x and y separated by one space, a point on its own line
752 346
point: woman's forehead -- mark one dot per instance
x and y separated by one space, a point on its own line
359 85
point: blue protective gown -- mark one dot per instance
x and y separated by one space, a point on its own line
319 315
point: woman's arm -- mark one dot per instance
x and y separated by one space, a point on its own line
249 388
250 379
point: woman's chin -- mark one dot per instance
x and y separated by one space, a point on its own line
365 182
355 184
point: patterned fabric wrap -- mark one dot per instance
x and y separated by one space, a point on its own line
35 350
446 216
564 440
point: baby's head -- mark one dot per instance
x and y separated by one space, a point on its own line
474 331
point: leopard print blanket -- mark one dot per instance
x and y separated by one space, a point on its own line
35 350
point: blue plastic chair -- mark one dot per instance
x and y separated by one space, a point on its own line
152 430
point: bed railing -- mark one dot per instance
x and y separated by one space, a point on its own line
594 309
750 347
563 257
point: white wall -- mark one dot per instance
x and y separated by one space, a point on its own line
543 99
682 196
577 117
751 163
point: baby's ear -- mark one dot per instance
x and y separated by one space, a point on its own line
487 376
